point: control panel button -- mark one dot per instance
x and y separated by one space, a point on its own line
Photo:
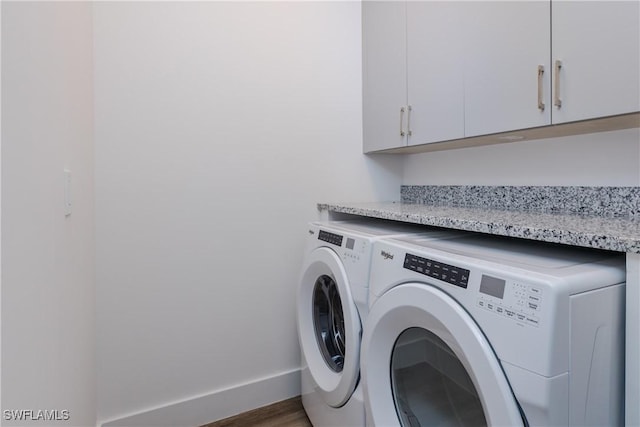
534 290
533 321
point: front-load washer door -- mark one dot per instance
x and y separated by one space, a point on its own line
426 362
329 327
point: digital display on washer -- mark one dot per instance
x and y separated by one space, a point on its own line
334 239
492 286
351 243
438 270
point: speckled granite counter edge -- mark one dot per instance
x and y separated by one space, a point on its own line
615 234
597 201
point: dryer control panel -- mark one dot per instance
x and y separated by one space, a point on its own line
513 300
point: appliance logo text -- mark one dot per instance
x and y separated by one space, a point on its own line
386 255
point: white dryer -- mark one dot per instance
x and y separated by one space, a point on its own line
493 331
332 304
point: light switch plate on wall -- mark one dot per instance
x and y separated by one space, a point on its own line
67 192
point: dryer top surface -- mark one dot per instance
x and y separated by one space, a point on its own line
519 253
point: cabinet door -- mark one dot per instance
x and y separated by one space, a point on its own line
434 70
505 42
598 44
384 65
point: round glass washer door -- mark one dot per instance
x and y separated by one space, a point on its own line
329 327
425 361
328 321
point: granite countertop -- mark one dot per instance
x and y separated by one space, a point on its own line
611 233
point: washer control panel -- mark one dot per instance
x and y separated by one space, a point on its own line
518 301
438 270
334 239
353 247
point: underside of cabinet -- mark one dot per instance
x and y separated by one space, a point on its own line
604 124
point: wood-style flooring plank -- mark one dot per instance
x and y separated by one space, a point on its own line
288 413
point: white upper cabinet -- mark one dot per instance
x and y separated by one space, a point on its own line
506 43
384 62
598 46
437 71
412 78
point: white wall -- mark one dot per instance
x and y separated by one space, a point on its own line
48 309
599 159
219 126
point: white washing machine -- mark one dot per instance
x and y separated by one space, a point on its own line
332 304
493 331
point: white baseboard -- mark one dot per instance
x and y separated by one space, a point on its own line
217 405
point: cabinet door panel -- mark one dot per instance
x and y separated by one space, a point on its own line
384 73
435 74
505 42
598 43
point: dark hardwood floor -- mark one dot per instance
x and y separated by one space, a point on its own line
288 413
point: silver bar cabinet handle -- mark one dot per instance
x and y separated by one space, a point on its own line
540 96
409 131
556 90
402 110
